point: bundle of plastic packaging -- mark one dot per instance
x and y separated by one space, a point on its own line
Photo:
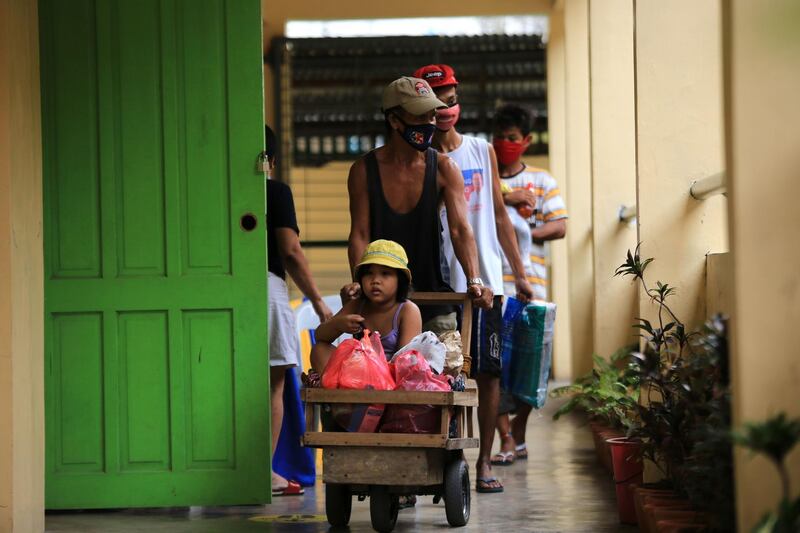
454 355
358 364
528 349
412 373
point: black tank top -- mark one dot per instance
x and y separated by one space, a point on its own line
418 231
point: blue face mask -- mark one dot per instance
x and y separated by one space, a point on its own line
419 136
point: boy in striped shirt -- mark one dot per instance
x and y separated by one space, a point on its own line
538 214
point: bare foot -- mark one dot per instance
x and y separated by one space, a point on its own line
486 481
279 482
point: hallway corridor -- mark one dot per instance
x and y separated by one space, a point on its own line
561 488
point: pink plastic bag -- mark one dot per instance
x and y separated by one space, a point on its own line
412 373
358 364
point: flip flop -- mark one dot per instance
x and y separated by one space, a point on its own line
486 482
521 451
292 489
503 459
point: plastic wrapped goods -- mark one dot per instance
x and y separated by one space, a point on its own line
358 364
530 350
429 345
413 373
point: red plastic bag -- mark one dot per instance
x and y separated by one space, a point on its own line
412 373
358 364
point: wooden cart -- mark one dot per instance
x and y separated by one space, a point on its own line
384 466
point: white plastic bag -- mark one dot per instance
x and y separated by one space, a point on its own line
430 347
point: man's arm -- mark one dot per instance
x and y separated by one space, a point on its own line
506 235
294 260
452 187
359 213
359 224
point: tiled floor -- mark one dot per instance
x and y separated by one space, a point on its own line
561 488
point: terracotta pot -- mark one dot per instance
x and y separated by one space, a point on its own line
628 470
639 495
605 454
670 510
679 526
644 495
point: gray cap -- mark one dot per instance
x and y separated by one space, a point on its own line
412 94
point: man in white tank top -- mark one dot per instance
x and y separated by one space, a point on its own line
493 232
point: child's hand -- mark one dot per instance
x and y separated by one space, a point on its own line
351 323
520 196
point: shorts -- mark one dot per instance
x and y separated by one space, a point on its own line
284 345
486 345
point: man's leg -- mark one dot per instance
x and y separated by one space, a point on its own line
518 426
277 377
507 444
488 400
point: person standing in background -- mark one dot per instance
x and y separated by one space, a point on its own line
494 236
538 214
284 254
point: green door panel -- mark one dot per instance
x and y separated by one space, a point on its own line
155 297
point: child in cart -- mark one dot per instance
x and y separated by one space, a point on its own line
383 306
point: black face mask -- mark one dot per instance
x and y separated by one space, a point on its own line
419 136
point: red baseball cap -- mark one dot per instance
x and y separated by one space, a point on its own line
437 75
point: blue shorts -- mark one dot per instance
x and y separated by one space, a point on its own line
486 345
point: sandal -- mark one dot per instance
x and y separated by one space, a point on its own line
503 459
292 489
484 485
521 451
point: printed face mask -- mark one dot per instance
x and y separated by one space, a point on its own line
508 152
419 136
447 118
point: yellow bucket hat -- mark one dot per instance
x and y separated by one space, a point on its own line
386 253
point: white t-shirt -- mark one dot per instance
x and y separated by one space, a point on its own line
472 157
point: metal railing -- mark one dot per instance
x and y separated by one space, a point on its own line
701 189
705 188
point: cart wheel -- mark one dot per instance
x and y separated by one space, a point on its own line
338 503
457 492
383 508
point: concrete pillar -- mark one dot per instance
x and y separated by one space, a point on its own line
763 133
579 184
679 139
559 260
613 137
21 273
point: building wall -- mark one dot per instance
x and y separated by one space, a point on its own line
763 136
679 136
21 273
613 156
559 256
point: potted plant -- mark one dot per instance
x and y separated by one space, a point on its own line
774 439
685 418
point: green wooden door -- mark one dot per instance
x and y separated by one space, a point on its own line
156 369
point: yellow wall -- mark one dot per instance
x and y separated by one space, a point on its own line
21 273
679 139
559 257
579 184
613 123
763 136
